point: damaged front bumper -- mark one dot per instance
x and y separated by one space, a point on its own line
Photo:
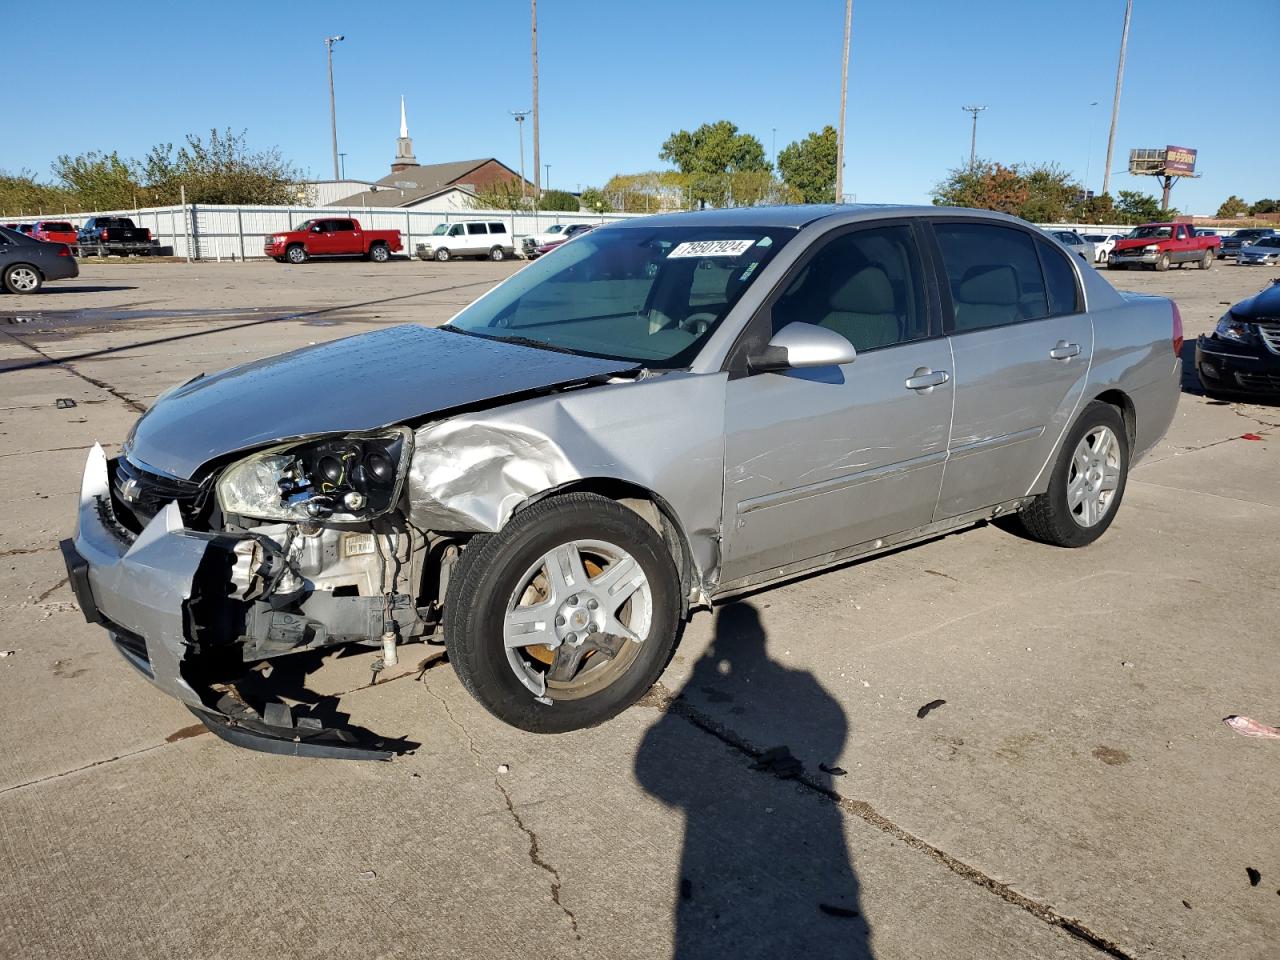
140 588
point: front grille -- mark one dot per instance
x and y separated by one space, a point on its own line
1262 382
139 494
1270 333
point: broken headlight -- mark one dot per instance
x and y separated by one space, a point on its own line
343 479
1230 328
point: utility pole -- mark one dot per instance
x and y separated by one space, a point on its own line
333 111
519 116
844 95
537 153
1115 104
973 137
547 181
343 165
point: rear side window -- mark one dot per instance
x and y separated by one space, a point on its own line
475 228
993 273
1059 281
497 228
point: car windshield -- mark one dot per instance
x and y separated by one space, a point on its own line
1268 242
1150 232
1095 237
651 295
1249 234
306 225
440 230
58 227
555 228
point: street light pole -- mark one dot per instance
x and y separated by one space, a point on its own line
1115 104
519 116
1088 161
973 137
333 110
844 95
547 182
343 158
537 181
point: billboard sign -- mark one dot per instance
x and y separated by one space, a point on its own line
1179 161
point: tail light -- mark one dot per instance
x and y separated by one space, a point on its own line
103 235
64 251
1177 331
146 233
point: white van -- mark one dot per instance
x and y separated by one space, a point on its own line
468 238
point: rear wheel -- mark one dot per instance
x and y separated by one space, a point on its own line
1087 484
1206 261
22 278
565 617
296 254
442 254
379 253
497 254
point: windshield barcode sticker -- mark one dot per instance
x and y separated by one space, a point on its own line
711 248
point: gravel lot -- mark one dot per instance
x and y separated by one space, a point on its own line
1077 795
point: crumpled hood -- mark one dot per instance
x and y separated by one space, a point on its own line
1263 306
358 383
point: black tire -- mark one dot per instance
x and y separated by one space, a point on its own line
442 254
1048 518
379 253
497 254
296 254
22 278
488 572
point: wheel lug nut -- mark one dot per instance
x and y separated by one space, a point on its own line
573 601
571 638
592 604
559 621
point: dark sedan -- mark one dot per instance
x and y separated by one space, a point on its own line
1242 355
1242 238
25 264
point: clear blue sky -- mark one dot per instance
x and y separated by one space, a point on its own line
617 78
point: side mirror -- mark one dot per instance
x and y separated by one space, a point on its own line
799 345
316 228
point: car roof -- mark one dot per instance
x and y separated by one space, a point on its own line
801 215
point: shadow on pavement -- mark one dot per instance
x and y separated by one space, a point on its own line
764 871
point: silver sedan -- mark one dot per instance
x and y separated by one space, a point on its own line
667 412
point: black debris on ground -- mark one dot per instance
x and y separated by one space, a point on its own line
1255 877
834 771
64 403
1187 903
686 888
779 762
929 707
831 910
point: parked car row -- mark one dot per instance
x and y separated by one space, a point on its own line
26 263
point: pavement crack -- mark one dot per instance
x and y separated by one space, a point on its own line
128 401
60 583
664 700
471 744
535 857
87 766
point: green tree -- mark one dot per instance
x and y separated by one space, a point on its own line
985 185
501 195
99 181
1232 207
1096 209
1051 193
808 166
221 169
710 155
558 200
596 200
1135 207
1264 206
21 193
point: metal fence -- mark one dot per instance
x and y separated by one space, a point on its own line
209 232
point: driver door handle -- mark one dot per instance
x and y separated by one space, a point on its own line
925 379
1064 351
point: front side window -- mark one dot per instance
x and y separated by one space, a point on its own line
993 273
1182 233
344 225
865 285
652 295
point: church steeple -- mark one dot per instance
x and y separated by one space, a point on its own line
404 146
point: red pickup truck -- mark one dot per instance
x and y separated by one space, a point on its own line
336 237
1161 244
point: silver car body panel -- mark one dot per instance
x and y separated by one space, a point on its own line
345 386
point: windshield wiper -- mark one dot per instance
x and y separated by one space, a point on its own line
526 342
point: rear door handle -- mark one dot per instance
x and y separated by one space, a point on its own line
925 379
1064 351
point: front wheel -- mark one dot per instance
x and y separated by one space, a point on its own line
1087 484
1163 263
442 254
565 617
296 254
22 278
379 253
497 254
